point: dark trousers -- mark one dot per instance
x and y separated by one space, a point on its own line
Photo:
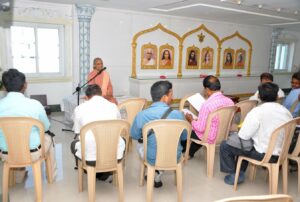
229 156
194 147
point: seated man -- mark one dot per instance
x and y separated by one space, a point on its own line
293 96
258 127
216 100
264 78
96 108
162 94
16 104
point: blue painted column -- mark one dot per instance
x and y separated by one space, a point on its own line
84 14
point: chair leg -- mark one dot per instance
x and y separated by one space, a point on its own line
285 176
91 173
130 144
274 178
49 170
298 162
142 174
150 182
5 182
120 182
252 171
37 173
210 160
237 172
179 182
175 178
80 176
12 177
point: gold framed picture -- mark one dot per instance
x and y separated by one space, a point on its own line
207 58
240 58
166 57
192 57
149 56
228 58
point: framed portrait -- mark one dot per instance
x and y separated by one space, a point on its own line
149 56
166 57
207 58
192 57
240 58
228 58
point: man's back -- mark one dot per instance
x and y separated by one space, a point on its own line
214 102
261 121
95 109
16 104
154 112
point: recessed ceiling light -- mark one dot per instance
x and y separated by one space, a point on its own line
296 12
239 2
278 9
260 6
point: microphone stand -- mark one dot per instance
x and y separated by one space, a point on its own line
78 89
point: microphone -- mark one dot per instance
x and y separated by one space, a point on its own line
101 70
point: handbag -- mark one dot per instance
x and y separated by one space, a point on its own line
235 141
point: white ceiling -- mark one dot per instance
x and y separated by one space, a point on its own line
279 13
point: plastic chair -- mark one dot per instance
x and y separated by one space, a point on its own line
18 152
263 198
167 132
225 116
295 157
185 103
287 130
245 107
106 134
132 107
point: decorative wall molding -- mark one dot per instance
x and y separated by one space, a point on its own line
43 13
219 43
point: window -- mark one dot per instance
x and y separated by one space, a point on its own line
284 56
37 49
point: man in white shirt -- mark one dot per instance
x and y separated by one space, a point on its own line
96 108
258 127
266 78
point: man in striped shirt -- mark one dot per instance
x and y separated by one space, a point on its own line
216 100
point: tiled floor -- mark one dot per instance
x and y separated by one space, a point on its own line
196 186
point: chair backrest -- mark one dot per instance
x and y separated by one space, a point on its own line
294 105
245 107
286 132
296 151
225 116
132 107
280 100
16 131
106 134
167 134
184 102
263 198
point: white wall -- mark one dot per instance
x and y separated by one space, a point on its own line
111 36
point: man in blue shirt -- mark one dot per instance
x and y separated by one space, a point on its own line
16 104
293 96
162 94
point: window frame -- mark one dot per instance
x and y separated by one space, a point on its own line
289 56
62 61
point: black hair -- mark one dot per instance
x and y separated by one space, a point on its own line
92 90
159 89
268 92
163 55
266 76
212 83
296 75
13 80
